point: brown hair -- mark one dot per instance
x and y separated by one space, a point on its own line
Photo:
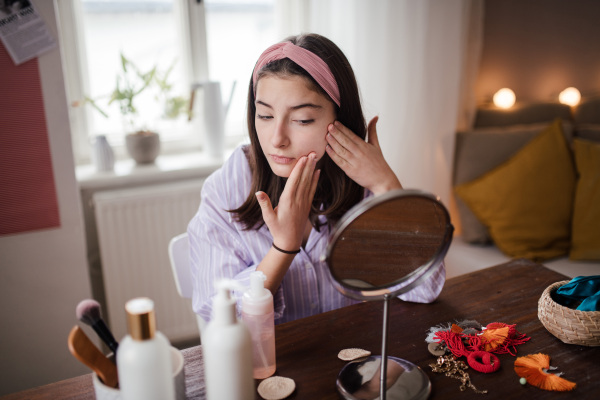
336 193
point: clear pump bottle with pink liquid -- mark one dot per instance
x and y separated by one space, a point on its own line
258 315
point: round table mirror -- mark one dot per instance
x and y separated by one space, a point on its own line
383 247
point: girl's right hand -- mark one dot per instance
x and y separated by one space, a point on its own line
361 160
287 222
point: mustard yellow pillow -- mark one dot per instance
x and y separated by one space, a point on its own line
526 202
585 241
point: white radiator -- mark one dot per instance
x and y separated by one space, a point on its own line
134 229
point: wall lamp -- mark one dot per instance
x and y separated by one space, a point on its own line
570 96
504 98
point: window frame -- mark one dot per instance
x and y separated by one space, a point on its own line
191 13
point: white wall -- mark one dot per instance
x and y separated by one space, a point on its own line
409 58
43 274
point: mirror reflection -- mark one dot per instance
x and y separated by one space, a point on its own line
361 379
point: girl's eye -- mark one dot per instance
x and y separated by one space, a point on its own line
305 121
263 117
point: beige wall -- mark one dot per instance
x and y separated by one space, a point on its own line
43 274
539 47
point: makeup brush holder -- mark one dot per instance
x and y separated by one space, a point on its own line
104 392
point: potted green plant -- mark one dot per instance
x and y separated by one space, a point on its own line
142 143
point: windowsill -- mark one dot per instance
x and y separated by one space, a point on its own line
166 167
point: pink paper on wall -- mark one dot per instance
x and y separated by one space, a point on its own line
28 198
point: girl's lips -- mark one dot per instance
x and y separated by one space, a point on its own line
280 159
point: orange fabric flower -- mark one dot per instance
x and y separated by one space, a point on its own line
534 368
492 338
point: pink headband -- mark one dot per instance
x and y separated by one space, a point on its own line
315 66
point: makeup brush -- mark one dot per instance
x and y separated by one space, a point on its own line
84 350
88 312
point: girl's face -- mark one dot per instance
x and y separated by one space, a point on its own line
291 121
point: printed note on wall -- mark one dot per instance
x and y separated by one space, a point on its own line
22 31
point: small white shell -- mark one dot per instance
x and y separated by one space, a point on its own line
276 388
353 354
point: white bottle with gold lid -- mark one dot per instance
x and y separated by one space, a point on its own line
144 356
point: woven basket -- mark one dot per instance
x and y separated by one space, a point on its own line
569 325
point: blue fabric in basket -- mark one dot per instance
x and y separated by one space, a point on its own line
582 293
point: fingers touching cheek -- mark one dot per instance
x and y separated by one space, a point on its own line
319 153
329 139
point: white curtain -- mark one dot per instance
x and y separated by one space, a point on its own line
415 63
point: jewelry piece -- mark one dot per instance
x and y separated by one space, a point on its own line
285 251
534 368
489 362
455 369
436 349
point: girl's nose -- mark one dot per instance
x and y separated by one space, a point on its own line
280 136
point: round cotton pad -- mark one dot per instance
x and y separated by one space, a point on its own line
276 388
353 354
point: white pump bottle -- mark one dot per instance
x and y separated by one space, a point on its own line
258 314
227 349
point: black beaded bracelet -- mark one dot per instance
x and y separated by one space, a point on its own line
286 251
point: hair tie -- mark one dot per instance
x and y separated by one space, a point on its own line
285 251
313 64
489 362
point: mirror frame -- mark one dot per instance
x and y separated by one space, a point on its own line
405 283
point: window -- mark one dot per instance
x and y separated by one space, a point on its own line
216 40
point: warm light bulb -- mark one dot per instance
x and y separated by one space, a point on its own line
570 96
504 98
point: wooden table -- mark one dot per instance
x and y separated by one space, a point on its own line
307 348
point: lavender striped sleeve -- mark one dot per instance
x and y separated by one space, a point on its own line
217 250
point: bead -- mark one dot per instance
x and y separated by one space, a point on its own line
523 381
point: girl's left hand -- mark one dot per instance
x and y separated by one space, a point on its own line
361 160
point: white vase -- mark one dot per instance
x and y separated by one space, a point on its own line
103 155
214 119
